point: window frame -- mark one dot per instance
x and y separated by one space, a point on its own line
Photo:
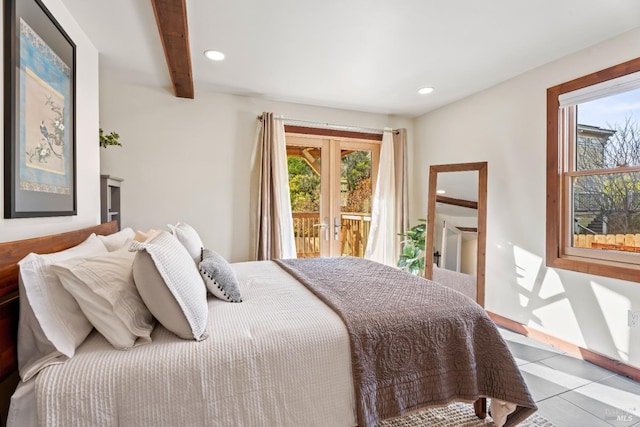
558 200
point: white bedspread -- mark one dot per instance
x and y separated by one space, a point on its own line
280 358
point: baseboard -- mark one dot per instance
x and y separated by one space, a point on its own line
582 353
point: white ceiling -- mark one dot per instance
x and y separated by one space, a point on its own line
365 55
458 185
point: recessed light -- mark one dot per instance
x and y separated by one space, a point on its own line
425 90
440 191
214 55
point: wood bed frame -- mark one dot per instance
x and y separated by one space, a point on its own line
10 254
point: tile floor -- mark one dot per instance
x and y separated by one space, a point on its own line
571 392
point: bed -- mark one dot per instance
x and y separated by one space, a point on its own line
284 356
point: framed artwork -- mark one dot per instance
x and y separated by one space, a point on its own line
39 113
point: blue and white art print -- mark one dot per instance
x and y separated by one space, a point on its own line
45 147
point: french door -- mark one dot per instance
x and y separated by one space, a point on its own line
331 184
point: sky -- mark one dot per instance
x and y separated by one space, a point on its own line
611 110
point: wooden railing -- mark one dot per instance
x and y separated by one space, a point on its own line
306 232
354 232
616 242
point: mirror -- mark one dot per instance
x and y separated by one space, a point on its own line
456 221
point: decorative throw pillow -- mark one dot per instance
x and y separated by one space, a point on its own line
219 277
104 288
189 238
115 241
52 324
170 286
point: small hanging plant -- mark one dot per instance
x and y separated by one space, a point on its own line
109 139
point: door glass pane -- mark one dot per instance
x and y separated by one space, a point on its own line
355 201
304 192
606 211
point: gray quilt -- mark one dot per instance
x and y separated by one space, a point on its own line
414 343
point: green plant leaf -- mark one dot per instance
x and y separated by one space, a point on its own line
412 256
108 139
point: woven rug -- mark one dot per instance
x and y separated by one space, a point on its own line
458 415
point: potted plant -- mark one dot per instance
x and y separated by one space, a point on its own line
412 256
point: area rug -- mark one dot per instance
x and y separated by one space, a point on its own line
458 415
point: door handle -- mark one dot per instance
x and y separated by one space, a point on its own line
337 225
325 226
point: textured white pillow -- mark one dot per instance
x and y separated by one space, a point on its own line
170 285
51 322
115 241
189 238
107 295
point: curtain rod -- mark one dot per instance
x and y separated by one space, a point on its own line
324 125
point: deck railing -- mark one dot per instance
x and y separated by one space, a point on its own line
354 232
306 232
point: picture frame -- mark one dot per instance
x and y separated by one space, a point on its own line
39 113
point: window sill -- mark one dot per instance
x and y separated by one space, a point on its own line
615 270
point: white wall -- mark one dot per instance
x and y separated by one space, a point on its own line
190 159
87 148
506 126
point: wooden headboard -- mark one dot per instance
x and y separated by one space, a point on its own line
10 254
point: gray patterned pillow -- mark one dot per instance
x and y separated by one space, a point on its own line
219 277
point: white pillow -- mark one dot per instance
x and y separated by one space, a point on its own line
51 323
170 285
115 241
189 238
107 295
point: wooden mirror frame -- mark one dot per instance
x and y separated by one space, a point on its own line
481 167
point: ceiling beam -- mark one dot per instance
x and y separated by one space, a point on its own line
457 202
171 17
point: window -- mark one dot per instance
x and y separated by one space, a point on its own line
593 173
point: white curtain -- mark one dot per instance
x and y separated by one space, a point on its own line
389 216
274 227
